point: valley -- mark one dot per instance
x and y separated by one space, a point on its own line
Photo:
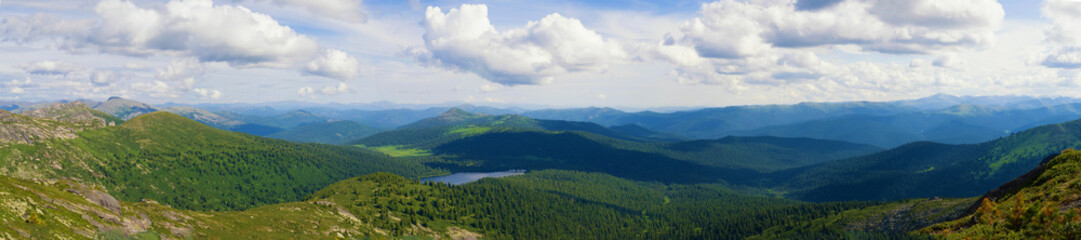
163 175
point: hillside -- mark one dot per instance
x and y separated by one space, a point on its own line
565 205
336 132
924 170
457 124
764 153
177 161
76 113
19 129
1043 204
287 120
205 117
70 210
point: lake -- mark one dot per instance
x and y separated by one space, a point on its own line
467 177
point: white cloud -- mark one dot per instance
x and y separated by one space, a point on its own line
154 89
464 39
950 60
735 29
773 42
180 69
602 96
196 28
331 90
1063 33
206 93
135 66
334 64
305 91
487 88
102 77
47 67
17 90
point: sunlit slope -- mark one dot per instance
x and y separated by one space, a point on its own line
177 161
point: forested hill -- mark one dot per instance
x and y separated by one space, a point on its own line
929 169
334 132
177 161
733 159
457 124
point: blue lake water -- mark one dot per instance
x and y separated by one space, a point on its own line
467 177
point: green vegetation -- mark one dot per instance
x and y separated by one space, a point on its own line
69 210
894 220
399 151
958 170
176 161
1039 205
565 204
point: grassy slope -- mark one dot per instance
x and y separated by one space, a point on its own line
1042 205
51 210
188 165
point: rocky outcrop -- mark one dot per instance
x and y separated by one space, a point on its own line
95 195
75 113
18 129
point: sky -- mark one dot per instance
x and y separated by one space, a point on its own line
634 53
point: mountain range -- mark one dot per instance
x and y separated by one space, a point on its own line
123 169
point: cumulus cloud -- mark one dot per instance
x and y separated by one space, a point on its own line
181 69
331 90
948 61
197 28
154 89
334 64
305 91
101 77
464 39
47 67
767 42
207 93
1063 33
487 88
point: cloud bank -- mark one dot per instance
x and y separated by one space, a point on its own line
464 39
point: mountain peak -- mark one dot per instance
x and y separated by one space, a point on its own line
457 114
114 98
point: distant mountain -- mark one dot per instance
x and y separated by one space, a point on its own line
457 123
635 130
384 119
960 124
711 123
205 117
334 132
923 170
939 101
124 109
287 120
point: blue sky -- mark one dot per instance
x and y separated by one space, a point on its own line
558 53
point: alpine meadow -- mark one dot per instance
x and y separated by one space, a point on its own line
590 119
